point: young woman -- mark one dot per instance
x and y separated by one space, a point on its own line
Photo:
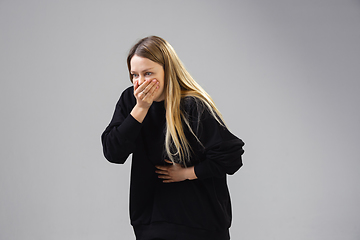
181 149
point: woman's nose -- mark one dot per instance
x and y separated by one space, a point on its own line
141 79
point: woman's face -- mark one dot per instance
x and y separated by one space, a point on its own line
143 69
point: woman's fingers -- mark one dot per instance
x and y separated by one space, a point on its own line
153 89
163 174
167 177
171 173
136 84
149 87
147 93
146 90
144 85
144 94
168 161
161 171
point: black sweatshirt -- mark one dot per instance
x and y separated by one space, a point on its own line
202 204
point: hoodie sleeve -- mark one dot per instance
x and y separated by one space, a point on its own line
223 157
118 139
222 151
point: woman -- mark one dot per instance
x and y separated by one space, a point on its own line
182 150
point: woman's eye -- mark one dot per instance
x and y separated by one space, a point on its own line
148 74
134 75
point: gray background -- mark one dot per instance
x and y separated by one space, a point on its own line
285 75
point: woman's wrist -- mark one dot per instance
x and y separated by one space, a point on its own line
139 113
190 173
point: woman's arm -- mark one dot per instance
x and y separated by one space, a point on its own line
221 159
221 150
119 137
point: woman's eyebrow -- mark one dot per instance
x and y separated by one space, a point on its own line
145 70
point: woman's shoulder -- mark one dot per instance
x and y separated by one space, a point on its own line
197 111
128 92
127 99
192 105
128 95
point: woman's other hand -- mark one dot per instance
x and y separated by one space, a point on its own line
175 172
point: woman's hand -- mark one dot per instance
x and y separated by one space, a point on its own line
175 172
144 95
145 92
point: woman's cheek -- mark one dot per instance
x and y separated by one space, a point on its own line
149 77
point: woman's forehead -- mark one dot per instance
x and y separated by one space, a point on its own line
138 63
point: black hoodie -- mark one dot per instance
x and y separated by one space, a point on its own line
201 205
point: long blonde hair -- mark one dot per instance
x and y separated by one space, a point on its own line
178 84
